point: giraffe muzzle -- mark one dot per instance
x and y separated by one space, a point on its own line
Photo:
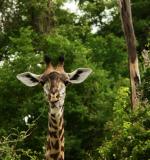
54 97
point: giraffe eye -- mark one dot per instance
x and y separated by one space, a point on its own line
66 83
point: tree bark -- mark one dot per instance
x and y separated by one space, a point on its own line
126 19
43 22
46 20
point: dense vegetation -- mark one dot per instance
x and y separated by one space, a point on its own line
99 123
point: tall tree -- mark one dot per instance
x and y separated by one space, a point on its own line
126 18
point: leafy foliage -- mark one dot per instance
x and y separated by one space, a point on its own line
98 121
129 134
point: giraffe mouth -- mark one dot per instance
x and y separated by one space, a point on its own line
55 104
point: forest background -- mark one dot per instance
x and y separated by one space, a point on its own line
99 122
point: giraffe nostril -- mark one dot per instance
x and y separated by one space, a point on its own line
57 95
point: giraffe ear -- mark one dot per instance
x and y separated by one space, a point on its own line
29 79
79 75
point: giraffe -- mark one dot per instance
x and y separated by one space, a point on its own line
54 81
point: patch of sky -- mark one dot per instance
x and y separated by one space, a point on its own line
73 7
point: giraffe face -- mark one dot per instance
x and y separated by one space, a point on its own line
54 79
54 88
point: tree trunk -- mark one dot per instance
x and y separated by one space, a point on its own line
43 22
126 18
46 20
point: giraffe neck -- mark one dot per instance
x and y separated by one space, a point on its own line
55 139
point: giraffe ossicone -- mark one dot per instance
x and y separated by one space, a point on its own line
54 80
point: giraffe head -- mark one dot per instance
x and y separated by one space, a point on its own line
54 80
